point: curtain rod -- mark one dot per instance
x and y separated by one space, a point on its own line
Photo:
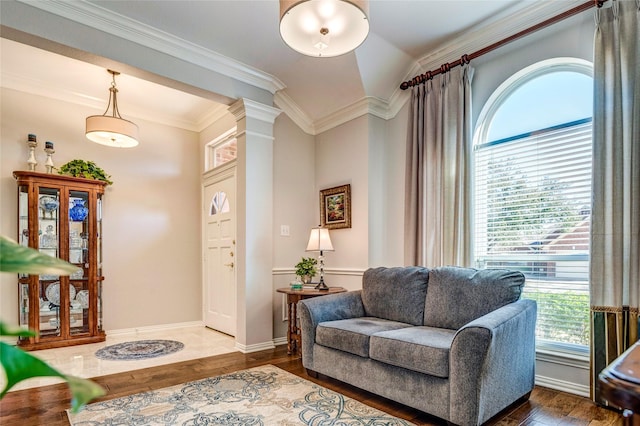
465 59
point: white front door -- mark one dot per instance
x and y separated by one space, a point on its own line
220 251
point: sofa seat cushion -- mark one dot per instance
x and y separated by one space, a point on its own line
352 335
421 349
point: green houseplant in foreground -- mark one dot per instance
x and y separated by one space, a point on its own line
17 364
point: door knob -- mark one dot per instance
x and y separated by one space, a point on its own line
229 264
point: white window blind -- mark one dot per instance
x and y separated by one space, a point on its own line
532 213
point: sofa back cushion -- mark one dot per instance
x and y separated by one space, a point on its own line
396 294
457 295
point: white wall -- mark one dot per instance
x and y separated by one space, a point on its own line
394 162
342 156
151 221
294 205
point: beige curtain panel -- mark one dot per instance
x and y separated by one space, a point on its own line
615 228
437 180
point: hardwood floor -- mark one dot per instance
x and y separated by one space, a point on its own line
46 405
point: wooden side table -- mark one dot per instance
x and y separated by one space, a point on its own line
620 383
294 339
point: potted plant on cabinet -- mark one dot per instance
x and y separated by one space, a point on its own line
84 169
306 269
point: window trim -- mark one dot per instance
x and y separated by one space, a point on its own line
500 94
517 80
210 147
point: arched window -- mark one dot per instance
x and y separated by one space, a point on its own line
532 191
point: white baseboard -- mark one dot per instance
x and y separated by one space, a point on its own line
150 328
245 349
562 385
278 341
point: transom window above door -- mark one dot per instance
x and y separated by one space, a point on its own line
221 150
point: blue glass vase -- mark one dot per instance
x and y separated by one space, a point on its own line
78 212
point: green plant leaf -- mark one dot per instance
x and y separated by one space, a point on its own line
20 259
82 391
19 332
19 365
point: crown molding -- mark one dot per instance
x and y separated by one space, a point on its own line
94 16
486 35
294 112
45 89
367 105
474 40
249 108
212 116
118 25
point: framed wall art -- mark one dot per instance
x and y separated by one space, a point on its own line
335 207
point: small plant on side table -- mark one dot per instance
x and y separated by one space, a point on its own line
306 269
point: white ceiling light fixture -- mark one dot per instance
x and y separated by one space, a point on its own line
112 130
324 28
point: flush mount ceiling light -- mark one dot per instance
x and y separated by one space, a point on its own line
324 28
112 130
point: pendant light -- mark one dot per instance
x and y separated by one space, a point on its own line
112 130
324 28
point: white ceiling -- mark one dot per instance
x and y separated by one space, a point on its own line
407 37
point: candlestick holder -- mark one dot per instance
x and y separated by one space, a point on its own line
32 143
48 148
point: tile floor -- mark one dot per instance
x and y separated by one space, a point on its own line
199 342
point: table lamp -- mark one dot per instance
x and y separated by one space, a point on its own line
319 240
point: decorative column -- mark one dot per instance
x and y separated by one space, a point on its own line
254 223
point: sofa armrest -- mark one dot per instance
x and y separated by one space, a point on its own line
492 359
326 308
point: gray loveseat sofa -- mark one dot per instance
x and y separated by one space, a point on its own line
457 343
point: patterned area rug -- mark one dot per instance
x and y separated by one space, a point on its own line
264 395
139 349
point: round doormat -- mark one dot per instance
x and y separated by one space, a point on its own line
139 349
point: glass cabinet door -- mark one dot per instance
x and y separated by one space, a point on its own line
23 236
99 260
49 286
79 243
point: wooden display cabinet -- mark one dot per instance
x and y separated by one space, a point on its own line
62 217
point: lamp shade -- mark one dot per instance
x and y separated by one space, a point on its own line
112 131
324 28
319 240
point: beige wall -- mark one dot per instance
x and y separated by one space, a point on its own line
151 213
294 205
342 158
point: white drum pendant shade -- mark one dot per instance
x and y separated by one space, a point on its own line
324 28
112 131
